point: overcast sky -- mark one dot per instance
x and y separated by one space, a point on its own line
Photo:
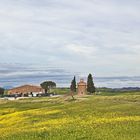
97 36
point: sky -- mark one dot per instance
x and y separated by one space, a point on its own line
82 36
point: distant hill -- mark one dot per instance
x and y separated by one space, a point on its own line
105 89
130 89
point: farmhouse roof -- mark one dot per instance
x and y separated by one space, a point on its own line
25 89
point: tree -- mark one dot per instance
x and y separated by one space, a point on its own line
47 85
90 84
73 85
1 91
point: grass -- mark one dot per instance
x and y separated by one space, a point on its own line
60 91
98 117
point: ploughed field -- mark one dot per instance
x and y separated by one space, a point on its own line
97 117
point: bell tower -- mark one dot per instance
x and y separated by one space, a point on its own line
82 87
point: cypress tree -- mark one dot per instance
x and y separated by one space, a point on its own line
73 85
90 84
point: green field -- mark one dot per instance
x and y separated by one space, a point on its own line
97 117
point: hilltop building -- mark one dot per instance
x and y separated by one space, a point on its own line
26 90
82 86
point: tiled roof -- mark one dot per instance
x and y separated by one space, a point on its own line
25 89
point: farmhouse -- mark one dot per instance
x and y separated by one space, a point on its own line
26 90
82 86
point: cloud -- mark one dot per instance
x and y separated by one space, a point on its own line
96 36
80 50
18 74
